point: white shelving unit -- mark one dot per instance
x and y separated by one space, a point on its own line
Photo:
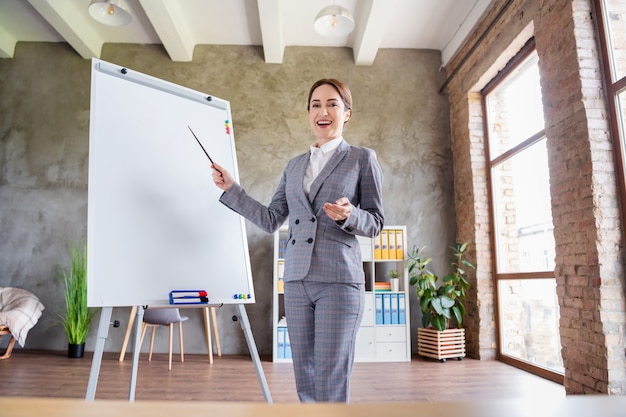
384 335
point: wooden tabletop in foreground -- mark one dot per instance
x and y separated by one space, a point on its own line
570 406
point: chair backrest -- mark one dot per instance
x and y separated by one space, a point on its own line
162 316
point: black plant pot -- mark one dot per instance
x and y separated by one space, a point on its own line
75 351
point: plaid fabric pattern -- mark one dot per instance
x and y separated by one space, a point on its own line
324 278
19 311
318 248
323 320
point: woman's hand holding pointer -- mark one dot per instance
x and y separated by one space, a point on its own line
221 177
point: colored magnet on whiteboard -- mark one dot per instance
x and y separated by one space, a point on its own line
242 296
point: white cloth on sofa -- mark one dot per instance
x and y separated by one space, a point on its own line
19 311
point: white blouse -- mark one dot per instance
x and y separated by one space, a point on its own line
319 157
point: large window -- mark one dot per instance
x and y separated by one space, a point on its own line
528 309
611 21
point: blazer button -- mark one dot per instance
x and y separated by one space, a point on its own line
312 219
297 221
309 240
293 242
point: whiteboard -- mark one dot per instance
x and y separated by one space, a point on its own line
154 220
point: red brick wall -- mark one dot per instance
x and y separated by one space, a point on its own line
588 236
470 165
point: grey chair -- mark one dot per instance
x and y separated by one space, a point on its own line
154 317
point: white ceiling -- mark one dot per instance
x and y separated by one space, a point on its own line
180 25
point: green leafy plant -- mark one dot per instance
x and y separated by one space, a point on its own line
440 303
77 315
393 273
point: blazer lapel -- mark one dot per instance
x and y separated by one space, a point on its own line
299 172
340 153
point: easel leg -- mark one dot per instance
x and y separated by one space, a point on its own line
103 332
131 319
247 331
133 374
216 333
207 332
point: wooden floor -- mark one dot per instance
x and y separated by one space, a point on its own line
233 378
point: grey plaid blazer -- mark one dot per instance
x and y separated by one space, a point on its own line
319 248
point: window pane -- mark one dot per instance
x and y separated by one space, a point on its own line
529 324
523 215
615 18
620 110
515 110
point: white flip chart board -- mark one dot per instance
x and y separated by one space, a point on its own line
154 220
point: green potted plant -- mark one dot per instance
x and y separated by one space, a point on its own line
394 279
77 316
440 303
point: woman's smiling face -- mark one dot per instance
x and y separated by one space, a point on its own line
327 113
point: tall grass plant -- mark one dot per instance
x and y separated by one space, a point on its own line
77 317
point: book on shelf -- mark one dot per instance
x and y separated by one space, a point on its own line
378 305
377 250
380 286
287 345
401 309
281 269
386 308
283 345
390 308
394 308
399 244
282 246
384 244
392 244
280 341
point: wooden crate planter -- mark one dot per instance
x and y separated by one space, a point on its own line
441 345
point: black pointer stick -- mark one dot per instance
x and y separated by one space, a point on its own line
205 152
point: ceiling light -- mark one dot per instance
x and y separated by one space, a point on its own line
334 21
110 12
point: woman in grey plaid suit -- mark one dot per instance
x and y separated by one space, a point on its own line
329 194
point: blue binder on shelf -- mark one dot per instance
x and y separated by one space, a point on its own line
386 308
280 353
401 309
394 309
287 344
379 308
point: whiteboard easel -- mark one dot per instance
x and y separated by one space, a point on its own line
155 223
103 332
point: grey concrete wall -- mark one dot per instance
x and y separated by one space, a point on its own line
44 125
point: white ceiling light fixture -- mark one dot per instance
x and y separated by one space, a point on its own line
334 21
110 12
